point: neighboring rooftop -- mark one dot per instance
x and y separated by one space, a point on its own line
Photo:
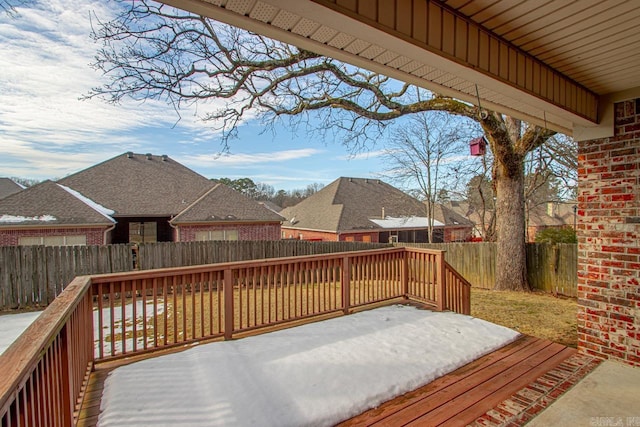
140 185
222 203
9 187
49 204
350 204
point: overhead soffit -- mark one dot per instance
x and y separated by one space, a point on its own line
545 61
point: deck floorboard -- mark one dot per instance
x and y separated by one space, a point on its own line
457 398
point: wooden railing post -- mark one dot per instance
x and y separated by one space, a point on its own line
228 303
441 281
404 273
346 284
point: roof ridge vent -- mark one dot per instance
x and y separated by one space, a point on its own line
165 157
129 154
149 156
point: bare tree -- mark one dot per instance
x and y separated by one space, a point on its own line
425 153
155 51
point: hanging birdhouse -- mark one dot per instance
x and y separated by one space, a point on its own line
478 146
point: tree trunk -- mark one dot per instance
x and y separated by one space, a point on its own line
511 262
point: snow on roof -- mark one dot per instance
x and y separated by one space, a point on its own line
18 218
405 222
94 205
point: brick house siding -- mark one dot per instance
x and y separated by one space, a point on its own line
457 234
95 236
264 231
294 233
328 236
608 232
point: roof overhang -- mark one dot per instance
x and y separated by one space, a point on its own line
543 63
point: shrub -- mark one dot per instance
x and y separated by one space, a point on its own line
557 235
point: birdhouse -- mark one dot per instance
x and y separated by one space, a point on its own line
478 146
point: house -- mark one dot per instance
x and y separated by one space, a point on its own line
457 228
53 215
9 187
550 215
359 209
224 214
482 222
145 198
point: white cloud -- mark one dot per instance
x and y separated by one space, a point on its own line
248 159
365 155
47 131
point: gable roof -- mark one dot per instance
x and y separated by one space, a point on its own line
222 203
9 187
140 185
349 204
49 204
449 217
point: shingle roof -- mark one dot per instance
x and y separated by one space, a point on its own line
449 217
349 203
222 203
8 187
48 204
140 185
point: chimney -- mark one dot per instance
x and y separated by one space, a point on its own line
383 217
129 155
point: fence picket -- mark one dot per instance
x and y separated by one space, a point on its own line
33 276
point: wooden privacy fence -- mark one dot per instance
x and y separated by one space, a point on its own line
550 268
179 254
33 275
144 311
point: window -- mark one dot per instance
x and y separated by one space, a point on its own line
143 232
75 240
216 235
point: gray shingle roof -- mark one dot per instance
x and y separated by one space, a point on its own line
449 217
140 185
222 203
48 204
8 187
347 204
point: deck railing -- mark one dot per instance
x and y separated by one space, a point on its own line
103 317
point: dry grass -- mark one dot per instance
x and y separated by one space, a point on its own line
536 313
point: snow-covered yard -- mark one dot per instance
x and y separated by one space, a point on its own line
12 325
315 374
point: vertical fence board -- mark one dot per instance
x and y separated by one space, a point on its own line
550 268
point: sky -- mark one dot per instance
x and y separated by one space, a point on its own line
48 132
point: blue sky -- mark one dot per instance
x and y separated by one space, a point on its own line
46 132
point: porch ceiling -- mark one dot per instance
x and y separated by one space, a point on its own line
550 62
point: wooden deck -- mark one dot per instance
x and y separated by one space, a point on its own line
458 398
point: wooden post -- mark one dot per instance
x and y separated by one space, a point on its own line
346 284
441 281
228 304
404 273
65 378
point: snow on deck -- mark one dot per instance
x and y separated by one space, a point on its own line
316 374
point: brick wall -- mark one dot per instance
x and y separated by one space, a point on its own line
265 231
294 233
457 234
608 247
95 236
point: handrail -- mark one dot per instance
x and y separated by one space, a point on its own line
51 359
19 361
